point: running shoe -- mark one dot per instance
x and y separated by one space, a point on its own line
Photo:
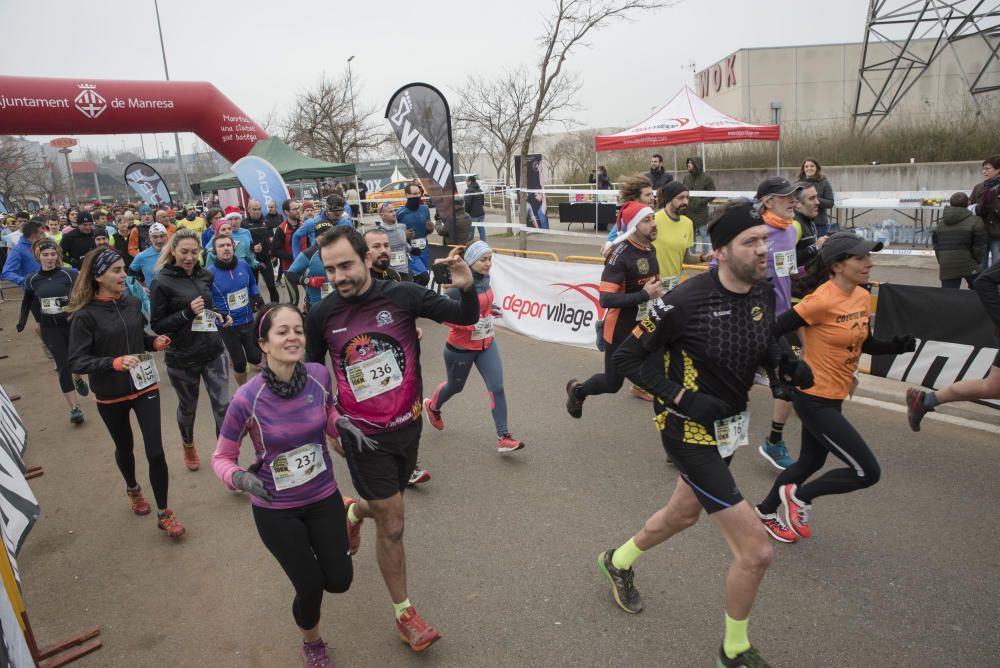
166 521
622 583
191 460
776 527
574 406
640 393
915 410
777 454
748 659
418 476
75 415
433 415
353 530
415 632
796 512
138 501
314 655
508 443
81 386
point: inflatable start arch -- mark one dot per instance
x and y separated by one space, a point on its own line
43 106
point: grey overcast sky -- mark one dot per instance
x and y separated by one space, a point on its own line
260 52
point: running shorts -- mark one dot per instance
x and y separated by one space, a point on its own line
706 472
381 473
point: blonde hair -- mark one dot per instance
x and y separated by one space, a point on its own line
167 254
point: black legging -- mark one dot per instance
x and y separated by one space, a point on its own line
241 343
310 544
825 430
608 382
56 339
267 271
147 414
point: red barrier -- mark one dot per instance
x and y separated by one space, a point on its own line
42 106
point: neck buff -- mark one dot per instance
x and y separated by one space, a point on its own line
280 387
776 221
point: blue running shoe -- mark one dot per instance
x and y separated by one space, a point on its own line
777 454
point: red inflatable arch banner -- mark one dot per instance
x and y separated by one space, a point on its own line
43 106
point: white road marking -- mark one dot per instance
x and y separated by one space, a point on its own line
950 419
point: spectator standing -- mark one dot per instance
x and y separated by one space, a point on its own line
603 182
959 243
986 199
353 200
656 175
697 179
812 172
474 207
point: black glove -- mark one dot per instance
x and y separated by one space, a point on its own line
20 326
251 484
258 303
794 371
903 344
703 408
779 388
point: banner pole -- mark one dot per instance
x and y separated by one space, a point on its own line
597 187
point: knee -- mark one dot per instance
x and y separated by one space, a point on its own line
872 474
687 518
757 557
340 581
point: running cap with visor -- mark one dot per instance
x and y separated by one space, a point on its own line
840 245
776 186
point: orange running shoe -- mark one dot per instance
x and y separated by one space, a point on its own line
138 501
508 443
415 632
796 512
166 521
433 415
353 530
191 460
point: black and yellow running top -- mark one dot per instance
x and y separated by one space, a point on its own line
627 268
711 340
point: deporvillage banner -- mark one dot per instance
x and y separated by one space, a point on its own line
421 119
955 336
261 181
550 301
148 183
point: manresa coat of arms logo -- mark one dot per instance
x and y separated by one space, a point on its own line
89 101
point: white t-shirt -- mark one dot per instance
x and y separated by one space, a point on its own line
14 238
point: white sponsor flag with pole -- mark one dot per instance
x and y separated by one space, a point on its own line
550 301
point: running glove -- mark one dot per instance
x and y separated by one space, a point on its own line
315 281
161 342
779 388
251 484
703 408
352 436
794 371
904 344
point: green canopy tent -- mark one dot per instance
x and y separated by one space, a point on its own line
291 164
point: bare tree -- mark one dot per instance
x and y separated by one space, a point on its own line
469 143
565 30
323 124
14 160
44 181
574 150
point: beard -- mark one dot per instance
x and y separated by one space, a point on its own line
381 262
749 272
350 287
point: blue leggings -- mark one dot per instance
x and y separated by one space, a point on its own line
459 365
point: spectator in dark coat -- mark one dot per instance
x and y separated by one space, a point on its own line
656 175
986 199
959 243
474 207
697 179
812 172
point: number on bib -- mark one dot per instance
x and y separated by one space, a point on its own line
374 376
144 373
397 258
785 263
237 300
297 467
732 433
204 322
483 329
53 305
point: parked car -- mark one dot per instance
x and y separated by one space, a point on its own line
394 191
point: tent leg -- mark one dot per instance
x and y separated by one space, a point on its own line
703 166
777 169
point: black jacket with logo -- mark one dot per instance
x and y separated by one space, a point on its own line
170 299
75 244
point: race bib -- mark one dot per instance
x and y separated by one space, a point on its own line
325 289
483 329
784 263
204 322
144 374
237 300
644 307
732 433
671 282
53 305
397 258
419 244
374 376
297 467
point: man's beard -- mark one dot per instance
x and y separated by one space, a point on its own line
681 210
749 273
381 262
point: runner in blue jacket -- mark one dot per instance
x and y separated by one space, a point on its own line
235 291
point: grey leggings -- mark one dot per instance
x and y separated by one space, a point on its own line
186 384
459 366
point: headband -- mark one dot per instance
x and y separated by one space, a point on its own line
104 260
45 244
263 317
475 251
732 223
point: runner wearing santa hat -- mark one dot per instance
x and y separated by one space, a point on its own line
630 281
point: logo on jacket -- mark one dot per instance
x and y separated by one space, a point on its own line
383 318
642 264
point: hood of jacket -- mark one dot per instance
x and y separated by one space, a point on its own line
953 215
698 166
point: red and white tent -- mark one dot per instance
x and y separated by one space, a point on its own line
686 119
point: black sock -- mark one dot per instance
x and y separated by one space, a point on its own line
775 435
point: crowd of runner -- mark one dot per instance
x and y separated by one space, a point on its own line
779 304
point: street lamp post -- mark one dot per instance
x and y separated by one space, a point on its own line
185 188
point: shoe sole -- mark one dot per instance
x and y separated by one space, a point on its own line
419 648
507 451
772 534
421 480
912 416
788 518
178 535
763 453
614 589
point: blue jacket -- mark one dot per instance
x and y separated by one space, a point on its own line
20 262
307 265
416 221
244 248
308 228
231 281
145 261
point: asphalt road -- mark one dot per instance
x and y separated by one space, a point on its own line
502 551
